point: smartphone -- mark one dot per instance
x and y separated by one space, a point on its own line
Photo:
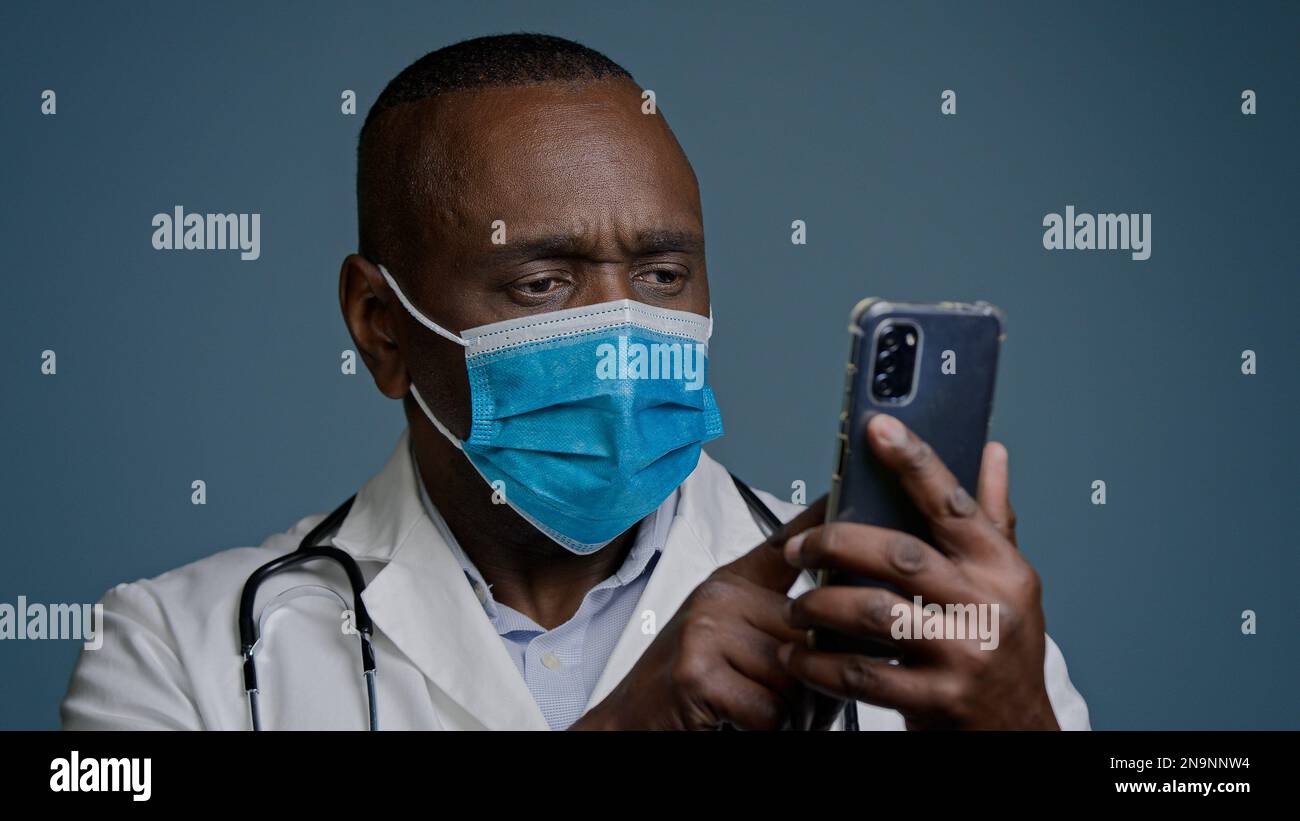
933 367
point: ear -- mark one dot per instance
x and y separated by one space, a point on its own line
367 304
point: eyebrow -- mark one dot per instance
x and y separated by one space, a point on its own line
652 242
573 245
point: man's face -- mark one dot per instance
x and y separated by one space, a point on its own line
597 200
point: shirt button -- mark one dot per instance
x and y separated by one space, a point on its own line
551 661
480 592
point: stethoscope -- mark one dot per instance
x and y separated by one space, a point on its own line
308 550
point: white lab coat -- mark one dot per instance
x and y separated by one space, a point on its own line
170 656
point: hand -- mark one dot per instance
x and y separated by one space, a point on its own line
715 662
937 683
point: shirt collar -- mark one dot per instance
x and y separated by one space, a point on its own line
651 536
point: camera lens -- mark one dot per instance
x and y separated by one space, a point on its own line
884 386
889 339
885 362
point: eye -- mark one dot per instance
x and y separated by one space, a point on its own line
539 286
661 276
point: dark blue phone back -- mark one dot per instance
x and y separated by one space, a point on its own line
948 407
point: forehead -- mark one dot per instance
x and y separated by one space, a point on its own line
555 158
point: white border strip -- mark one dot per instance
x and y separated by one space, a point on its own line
571 321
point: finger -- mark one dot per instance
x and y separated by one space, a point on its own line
891 556
765 611
860 612
765 565
752 653
750 646
958 523
910 690
748 705
994 494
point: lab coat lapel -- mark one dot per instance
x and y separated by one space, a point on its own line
712 527
422 602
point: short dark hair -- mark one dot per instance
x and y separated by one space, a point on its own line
497 60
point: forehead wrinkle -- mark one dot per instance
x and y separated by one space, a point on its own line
607 181
587 239
444 150
524 137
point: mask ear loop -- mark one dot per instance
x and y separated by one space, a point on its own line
415 312
440 331
419 400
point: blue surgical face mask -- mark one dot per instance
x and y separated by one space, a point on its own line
588 417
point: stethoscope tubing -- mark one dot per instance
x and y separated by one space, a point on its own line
308 550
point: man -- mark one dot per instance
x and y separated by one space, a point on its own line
548 545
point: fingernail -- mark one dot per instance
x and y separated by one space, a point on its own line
890 431
783 654
792 547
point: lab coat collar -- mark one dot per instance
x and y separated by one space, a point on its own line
421 602
386 509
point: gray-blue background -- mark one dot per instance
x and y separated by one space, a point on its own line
175 366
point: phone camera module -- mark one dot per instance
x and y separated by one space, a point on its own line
894 368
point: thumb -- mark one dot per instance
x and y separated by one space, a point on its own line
765 565
993 492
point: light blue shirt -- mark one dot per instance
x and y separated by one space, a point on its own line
561 666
